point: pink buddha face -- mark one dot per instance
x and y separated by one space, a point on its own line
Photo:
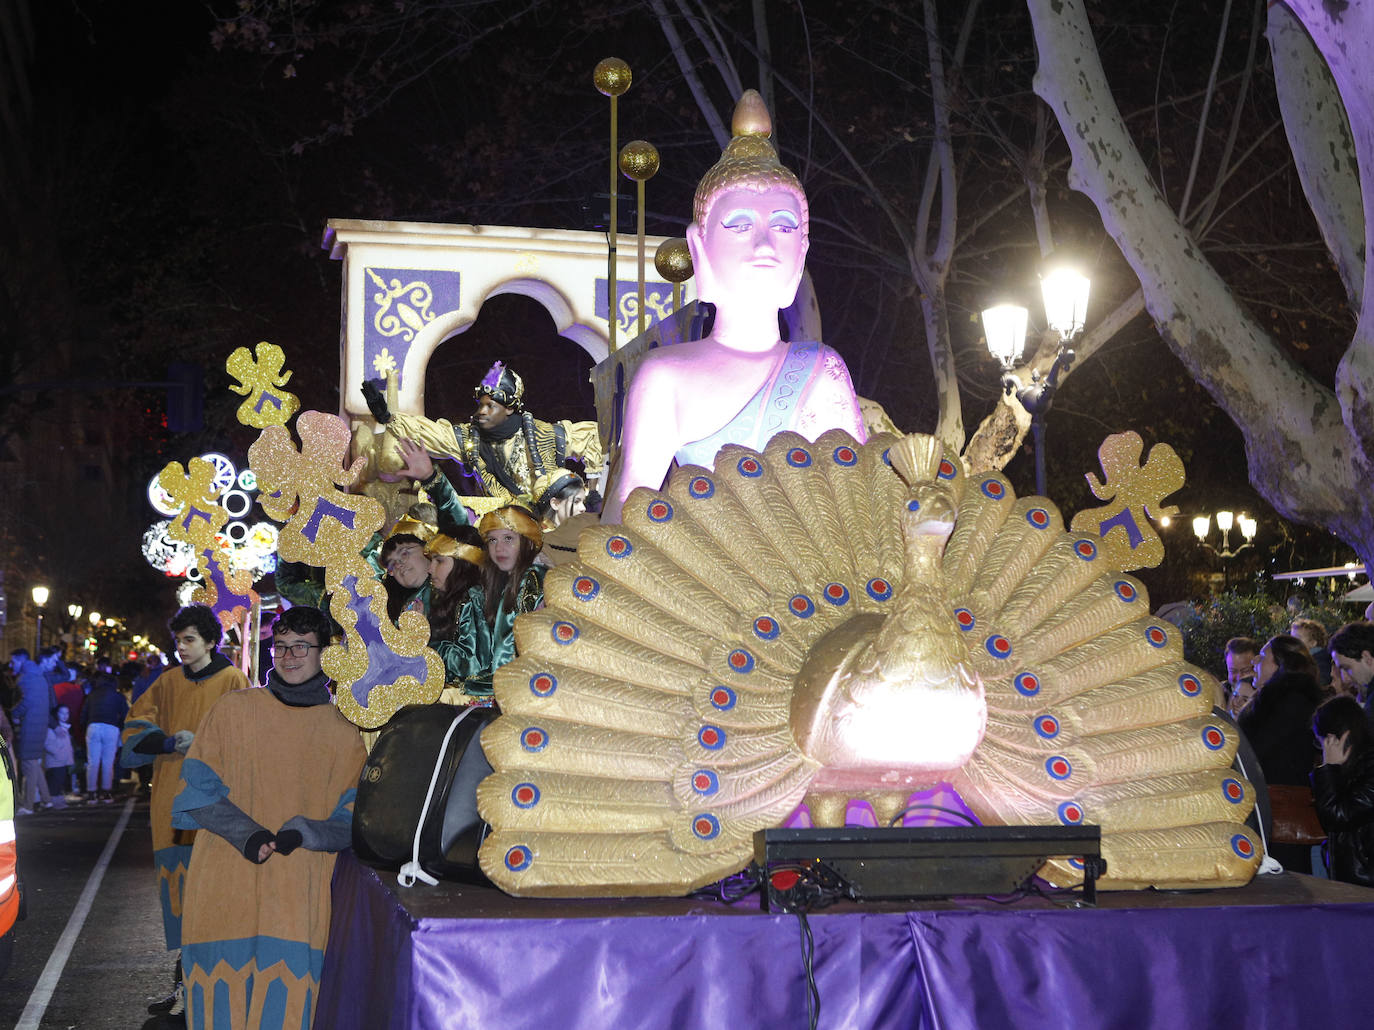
751 249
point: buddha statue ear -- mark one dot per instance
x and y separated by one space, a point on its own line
701 265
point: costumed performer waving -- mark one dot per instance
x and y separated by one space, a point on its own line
504 444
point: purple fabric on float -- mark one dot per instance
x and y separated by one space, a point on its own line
717 966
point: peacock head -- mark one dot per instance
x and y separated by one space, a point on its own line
934 478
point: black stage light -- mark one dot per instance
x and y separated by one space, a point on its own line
804 869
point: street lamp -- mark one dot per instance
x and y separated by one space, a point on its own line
74 610
1065 294
94 617
1226 521
40 598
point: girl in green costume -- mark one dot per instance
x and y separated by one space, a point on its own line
511 584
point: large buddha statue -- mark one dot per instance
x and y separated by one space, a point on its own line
742 384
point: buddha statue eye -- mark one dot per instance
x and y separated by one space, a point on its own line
784 221
738 221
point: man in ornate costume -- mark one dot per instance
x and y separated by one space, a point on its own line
507 446
160 728
742 384
271 779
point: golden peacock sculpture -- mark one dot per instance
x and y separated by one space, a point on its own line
827 621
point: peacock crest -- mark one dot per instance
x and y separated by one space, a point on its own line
770 641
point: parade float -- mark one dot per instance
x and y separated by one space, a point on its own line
816 630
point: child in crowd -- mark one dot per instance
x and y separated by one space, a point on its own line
58 756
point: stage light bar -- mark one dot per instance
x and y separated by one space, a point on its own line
915 862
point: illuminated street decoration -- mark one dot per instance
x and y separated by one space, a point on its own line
161 500
379 666
262 381
1136 492
170 557
198 524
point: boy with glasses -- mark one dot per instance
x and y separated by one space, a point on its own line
271 778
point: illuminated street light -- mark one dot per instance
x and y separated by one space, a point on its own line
95 618
40 598
1202 526
74 610
1065 294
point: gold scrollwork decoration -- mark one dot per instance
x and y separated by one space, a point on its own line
402 309
658 302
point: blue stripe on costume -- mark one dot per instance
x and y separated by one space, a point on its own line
249 957
343 811
201 786
171 864
128 757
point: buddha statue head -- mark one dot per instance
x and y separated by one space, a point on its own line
748 236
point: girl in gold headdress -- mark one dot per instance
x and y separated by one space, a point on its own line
511 584
742 384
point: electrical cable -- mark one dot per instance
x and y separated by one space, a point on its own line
813 995
924 807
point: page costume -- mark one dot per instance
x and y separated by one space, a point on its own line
254 935
478 647
176 701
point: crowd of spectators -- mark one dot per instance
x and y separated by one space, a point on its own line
1305 703
58 720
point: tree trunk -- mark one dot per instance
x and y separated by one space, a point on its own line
1323 150
1304 452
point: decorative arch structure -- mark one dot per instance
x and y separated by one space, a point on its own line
408 286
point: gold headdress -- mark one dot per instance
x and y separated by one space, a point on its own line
749 160
445 545
413 526
516 519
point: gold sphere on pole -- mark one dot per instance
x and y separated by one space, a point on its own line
612 76
673 260
639 160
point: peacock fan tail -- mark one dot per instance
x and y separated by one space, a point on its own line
826 622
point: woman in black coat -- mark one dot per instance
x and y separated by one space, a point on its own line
1278 725
1343 786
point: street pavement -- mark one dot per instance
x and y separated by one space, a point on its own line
102 974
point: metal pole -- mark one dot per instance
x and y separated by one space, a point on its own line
639 197
612 308
38 636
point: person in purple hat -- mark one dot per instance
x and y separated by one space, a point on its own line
504 444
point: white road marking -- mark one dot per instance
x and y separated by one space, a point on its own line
52 972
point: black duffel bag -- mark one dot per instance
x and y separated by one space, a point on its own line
416 809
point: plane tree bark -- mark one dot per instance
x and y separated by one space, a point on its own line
1308 445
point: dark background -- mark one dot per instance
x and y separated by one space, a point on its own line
167 168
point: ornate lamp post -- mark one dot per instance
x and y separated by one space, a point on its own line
40 598
1065 293
1202 526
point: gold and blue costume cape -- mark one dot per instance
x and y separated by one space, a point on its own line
253 936
174 702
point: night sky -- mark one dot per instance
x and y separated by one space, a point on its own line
167 193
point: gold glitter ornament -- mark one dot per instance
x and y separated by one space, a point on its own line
380 666
673 260
1135 493
261 380
612 76
639 160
